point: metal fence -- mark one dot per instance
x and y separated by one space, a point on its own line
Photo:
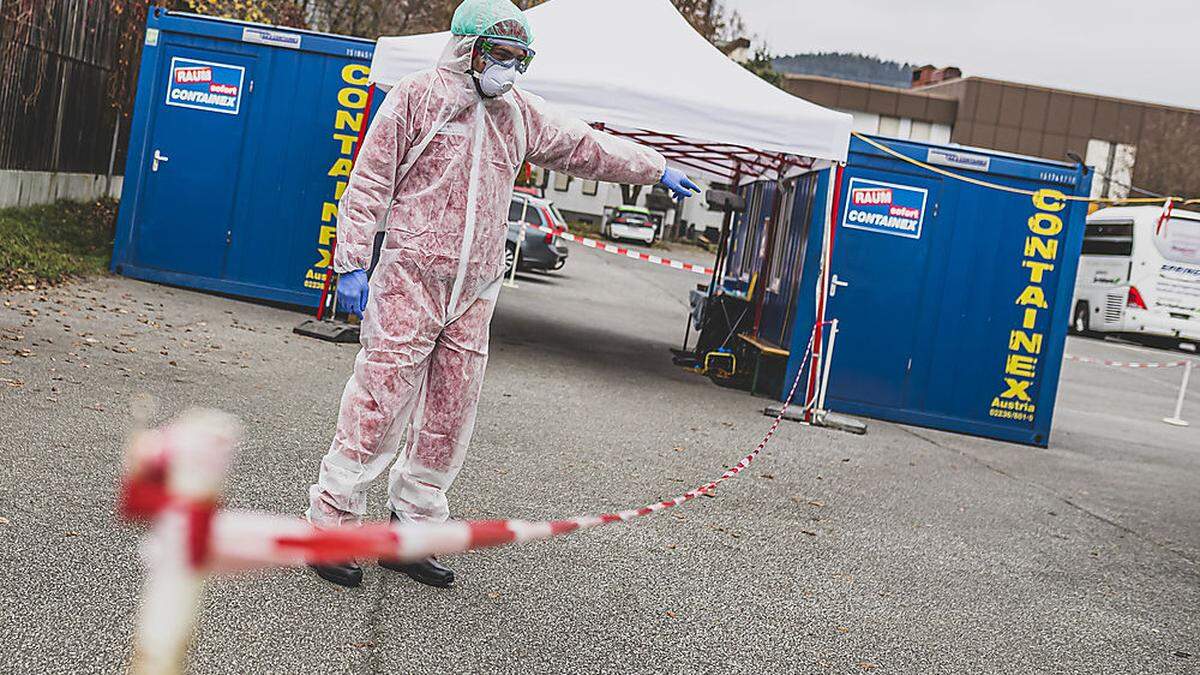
57 62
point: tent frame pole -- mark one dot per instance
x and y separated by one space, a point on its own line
832 205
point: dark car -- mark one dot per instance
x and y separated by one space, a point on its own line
542 251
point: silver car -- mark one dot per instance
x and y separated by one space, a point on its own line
541 251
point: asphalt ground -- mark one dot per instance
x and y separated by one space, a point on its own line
904 551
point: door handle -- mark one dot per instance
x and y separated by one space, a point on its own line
834 283
158 157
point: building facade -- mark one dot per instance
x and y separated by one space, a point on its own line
1134 146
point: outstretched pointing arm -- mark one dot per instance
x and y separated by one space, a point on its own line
561 143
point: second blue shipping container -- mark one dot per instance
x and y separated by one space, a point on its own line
952 297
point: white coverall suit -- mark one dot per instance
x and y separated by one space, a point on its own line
425 328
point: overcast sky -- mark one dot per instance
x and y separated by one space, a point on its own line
1141 49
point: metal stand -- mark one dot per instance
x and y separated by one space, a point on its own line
827 359
1177 419
327 326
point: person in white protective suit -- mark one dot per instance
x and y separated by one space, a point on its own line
440 160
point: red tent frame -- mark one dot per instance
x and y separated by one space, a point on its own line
725 160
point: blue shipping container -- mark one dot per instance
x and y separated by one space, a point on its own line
953 299
240 147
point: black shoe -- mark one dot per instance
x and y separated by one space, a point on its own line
347 574
428 571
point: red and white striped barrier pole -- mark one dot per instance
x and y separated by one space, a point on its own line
1187 364
628 253
172 477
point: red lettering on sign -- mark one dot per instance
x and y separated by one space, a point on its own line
904 212
226 89
193 75
871 196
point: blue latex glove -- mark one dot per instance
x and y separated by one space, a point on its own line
352 292
679 184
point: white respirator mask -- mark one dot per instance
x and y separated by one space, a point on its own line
496 80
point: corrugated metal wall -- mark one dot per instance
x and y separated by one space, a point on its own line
56 61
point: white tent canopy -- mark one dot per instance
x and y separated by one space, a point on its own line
639 69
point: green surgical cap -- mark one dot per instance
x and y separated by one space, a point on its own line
491 18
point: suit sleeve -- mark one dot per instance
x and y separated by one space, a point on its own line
372 183
562 143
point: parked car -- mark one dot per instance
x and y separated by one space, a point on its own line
541 251
632 223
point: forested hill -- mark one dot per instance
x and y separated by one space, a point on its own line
857 67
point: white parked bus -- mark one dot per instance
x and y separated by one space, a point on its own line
1137 278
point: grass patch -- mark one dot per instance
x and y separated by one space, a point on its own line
51 243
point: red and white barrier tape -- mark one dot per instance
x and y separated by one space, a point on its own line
628 253
236 539
172 476
1124 364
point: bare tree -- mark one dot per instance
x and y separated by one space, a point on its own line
1172 138
373 18
712 19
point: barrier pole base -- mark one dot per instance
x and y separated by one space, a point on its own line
330 330
1175 422
793 413
831 420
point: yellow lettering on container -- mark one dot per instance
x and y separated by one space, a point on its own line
341 167
1047 249
345 120
356 73
1019 340
1017 389
1033 296
352 98
1030 319
1037 269
1020 365
1042 200
328 211
1046 224
347 142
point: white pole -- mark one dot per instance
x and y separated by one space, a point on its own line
512 276
822 299
827 358
1178 420
112 157
170 597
